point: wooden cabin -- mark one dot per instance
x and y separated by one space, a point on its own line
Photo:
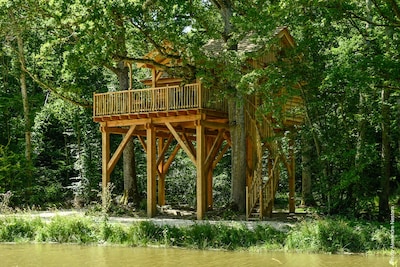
188 113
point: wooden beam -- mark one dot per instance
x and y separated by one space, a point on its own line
220 155
215 125
105 155
201 183
181 143
158 120
158 76
188 142
209 174
153 77
213 150
292 180
144 145
116 130
151 171
161 171
164 147
171 157
111 164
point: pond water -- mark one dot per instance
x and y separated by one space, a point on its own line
73 255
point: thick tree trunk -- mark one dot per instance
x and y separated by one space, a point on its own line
238 137
236 118
130 179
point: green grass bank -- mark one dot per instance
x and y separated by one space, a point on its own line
316 236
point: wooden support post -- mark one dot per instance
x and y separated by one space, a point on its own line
209 177
105 154
201 172
270 187
161 176
291 172
153 77
151 170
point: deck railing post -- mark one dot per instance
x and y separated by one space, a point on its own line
199 96
167 98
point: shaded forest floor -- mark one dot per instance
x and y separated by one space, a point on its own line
167 215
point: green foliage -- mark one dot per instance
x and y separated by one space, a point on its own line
67 154
14 174
336 236
68 230
113 233
145 233
13 229
181 181
332 236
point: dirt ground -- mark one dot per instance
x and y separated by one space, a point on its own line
175 217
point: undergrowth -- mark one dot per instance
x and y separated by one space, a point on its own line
330 236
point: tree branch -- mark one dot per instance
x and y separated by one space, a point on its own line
141 60
158 47
396 25
187 69
54 91
395 7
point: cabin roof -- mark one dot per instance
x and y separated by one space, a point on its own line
251 43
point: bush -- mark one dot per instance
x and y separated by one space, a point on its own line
144 233
335 236
303 237
116 234
69 230
18 229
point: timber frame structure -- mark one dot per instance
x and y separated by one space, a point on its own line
190 114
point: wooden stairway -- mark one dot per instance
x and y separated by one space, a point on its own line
261 195
263 149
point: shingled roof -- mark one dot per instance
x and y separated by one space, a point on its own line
250 43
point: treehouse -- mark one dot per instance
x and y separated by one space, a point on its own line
169 110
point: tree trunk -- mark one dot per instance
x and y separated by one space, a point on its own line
25 102
307 198
130 179
238 137
130 182
384 192
236 119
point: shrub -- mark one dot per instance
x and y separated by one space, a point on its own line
144 233
113 233
303 237
69 230
18 229
335 236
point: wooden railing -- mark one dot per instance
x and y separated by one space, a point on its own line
260 192
169 98
254 195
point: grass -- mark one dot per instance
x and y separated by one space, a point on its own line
326 235
338 236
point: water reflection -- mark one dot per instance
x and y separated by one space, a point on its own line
98 256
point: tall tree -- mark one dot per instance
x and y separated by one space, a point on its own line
14 29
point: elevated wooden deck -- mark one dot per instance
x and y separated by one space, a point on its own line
190 114
156 102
